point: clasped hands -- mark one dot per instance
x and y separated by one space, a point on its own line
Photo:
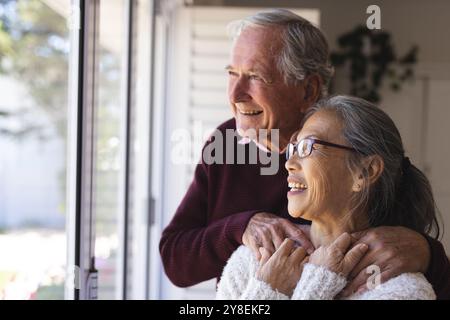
283 248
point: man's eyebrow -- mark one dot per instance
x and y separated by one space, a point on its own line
253 70
258 70
265 76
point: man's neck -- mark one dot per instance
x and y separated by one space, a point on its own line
279 146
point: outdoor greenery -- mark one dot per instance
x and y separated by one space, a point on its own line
34 50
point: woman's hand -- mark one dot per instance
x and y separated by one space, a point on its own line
395 250
283 269
335 256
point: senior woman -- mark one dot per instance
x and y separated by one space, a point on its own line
347 173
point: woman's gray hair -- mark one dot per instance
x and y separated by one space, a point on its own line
402 195
305 50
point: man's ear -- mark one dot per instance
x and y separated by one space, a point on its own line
313 87
371 169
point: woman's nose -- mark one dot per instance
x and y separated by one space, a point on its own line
293 163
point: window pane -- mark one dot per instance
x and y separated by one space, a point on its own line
109 145
34 53
138 184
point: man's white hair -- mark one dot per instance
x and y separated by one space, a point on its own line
305 48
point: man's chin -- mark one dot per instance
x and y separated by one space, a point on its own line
247 132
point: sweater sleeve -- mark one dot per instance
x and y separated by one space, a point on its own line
407 286
438 273
193 249
260 290
239 282
318 283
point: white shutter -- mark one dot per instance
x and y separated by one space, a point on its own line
197 97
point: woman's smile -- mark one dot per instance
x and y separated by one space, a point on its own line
296 186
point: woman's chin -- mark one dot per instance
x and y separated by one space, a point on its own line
296 213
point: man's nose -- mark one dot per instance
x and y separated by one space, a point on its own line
238 90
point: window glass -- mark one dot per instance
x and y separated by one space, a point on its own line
109 144
34 54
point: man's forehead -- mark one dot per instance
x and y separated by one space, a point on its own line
250 64
261 32
258 40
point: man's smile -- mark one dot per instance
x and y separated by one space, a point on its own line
249 112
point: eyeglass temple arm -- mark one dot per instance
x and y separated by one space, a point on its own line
325 143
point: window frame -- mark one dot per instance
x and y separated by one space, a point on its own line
80 225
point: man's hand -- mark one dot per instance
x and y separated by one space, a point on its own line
269 231
337 257
395 250
283 269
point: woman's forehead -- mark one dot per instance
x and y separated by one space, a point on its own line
324 124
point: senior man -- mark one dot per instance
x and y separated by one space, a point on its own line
279 67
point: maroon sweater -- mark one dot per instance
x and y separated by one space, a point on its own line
211 219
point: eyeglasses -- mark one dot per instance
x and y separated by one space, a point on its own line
305 146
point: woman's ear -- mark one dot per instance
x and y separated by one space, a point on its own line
371 169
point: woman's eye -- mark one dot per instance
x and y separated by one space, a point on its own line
304 151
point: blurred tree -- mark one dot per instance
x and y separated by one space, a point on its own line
34 50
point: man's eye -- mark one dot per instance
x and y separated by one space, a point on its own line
254 77
232 73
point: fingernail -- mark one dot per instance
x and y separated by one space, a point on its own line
310 251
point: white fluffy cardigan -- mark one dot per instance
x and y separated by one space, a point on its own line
239 281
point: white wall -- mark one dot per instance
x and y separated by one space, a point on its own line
411 21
